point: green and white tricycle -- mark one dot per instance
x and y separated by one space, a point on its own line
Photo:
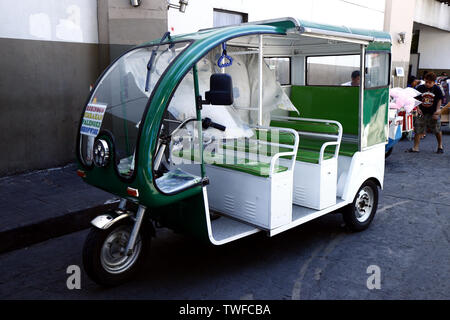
231 131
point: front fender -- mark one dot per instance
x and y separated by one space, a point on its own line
105 221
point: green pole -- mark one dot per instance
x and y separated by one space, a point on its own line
198 105
124 111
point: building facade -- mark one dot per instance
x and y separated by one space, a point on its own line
53 50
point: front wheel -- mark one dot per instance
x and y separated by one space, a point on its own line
359 214
104 257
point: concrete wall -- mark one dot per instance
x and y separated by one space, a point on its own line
353 13
49 56
49 20
51 52
43 87
432 13
399 18
434 48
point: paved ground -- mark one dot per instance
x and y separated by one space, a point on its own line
408 239
43 204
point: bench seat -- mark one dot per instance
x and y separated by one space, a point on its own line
250 166
347 149
305 154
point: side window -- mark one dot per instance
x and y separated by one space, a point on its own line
377 69
282 68
342 70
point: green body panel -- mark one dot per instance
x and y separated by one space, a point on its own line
379 46
186 216
375 118
331 103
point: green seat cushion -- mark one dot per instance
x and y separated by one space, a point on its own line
303 154
314 144
307 126
250 166
347 149
260 169
275 136
311 156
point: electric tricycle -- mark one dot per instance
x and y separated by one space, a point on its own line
232 131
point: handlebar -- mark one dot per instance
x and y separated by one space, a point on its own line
207 122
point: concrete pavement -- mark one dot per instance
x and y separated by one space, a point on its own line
409 240
44 204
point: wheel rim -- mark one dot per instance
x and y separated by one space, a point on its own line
113 257
364 204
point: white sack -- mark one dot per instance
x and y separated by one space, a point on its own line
273 96
182 106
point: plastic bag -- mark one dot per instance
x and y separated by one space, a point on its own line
404 98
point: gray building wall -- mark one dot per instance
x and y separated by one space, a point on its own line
43 87
44 82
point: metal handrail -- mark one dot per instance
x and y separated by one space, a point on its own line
292 153
338 137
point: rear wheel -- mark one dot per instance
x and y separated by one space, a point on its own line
359 214
104 257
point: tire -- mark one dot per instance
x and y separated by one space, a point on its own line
388 153
109 268
356 215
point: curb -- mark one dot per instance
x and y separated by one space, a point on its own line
24 236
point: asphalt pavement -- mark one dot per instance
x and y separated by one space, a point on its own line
44 204
408 242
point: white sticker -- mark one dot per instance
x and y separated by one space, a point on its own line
92 119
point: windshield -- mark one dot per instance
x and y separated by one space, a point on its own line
119 100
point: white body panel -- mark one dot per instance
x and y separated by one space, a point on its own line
364 165
315 184
351 174
264 202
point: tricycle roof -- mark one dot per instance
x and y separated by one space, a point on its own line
294 25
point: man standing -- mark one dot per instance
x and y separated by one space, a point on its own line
428 112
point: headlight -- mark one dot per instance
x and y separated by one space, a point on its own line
101 153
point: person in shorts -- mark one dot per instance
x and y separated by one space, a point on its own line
428 112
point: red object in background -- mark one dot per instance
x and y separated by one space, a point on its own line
407 121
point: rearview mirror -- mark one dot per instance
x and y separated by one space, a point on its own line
220 90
